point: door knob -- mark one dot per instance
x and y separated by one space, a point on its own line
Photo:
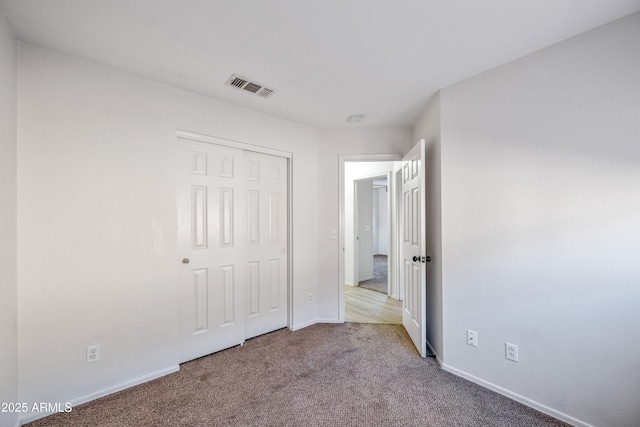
185 260
415 258
428 259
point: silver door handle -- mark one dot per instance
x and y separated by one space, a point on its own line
185 260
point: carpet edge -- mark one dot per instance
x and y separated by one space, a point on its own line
518 398
105 392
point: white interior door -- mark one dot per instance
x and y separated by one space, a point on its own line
266 257
413 273
209 214
232 214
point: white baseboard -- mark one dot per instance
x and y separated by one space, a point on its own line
303 325
104 392
314 321
525 401
328 320
365 278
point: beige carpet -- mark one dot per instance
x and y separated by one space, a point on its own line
379 281
325 375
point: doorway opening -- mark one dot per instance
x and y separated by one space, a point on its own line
380 279
408 256
370 250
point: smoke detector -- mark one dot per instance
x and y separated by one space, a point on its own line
355 118
249 86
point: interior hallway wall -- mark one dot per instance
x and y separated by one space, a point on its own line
97 254
376 220
381 218
364 229
541 226
8 223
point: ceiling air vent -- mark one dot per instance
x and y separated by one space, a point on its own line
249 86
237 82
265 93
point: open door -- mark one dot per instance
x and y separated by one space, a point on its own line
413 272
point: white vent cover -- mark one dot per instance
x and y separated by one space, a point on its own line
249 86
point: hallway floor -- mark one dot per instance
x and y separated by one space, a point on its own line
365 306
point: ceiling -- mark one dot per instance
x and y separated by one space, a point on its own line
327 59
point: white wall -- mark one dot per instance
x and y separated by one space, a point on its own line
427 127
364 229
8 209
376 220
97 257
332 143
541 225
381 219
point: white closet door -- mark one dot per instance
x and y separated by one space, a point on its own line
212 238
266 251
233 225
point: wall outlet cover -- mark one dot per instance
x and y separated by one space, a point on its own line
93 353
511 351
472 338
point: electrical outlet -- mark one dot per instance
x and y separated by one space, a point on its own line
511 351
93 353
310 297
472 338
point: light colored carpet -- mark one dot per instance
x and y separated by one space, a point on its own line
325 375
379 281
